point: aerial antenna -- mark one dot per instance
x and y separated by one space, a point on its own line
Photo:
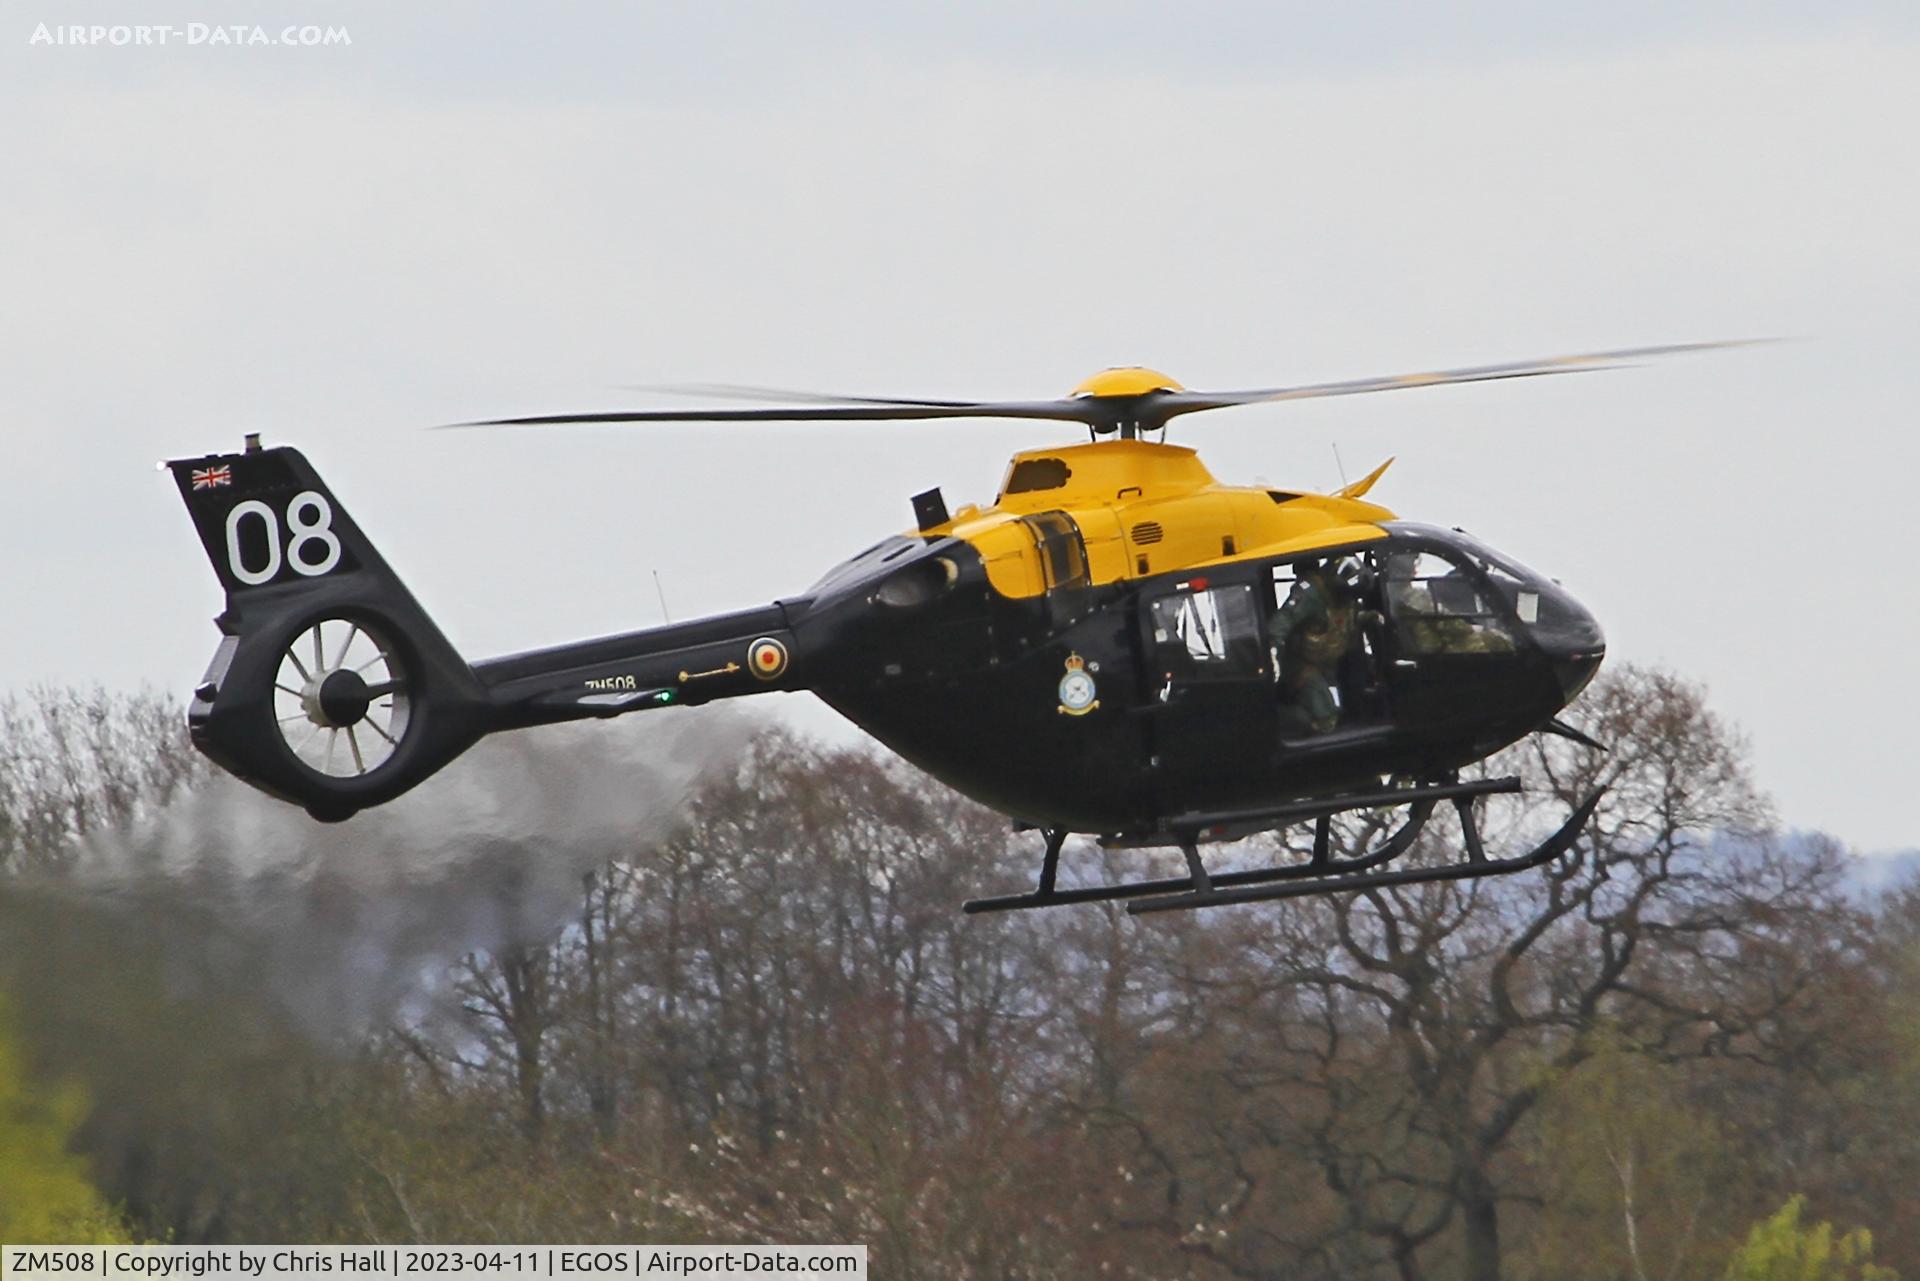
662 593
1337 463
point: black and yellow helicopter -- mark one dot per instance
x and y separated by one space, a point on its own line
1120 645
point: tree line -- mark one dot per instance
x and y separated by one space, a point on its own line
1682 1051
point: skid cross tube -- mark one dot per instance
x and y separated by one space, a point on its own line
1475 864
1320 872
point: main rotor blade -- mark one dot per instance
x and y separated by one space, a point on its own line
1170 404
736 391
1130 414
1080 411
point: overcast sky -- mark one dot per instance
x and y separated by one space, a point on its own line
477 209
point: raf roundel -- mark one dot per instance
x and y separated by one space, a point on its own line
767 658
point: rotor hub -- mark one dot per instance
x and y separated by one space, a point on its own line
336 699
1126 380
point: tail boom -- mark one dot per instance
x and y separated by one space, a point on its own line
332 688
726 656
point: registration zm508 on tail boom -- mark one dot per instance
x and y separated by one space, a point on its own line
1119 645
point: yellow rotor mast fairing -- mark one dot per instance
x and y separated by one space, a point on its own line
1126 380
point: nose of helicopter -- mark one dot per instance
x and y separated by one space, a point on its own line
1575 670
1571 638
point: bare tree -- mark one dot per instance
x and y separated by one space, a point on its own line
75 761
776 1024
1396 1041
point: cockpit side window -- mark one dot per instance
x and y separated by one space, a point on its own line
1439 607
1544 609
1523 596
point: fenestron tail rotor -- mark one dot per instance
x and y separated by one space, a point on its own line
1128 401
341 697
331 687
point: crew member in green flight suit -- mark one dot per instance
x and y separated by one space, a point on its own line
1312 632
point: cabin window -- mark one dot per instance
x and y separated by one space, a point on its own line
1213 632
1439 607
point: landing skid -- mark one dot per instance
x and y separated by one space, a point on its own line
1320 874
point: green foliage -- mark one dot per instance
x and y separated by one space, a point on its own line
44 1193
1635 1178
1783 1249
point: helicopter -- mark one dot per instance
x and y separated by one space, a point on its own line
1120 645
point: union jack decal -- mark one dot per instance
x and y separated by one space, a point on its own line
213 477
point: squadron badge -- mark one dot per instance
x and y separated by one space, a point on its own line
1077 692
